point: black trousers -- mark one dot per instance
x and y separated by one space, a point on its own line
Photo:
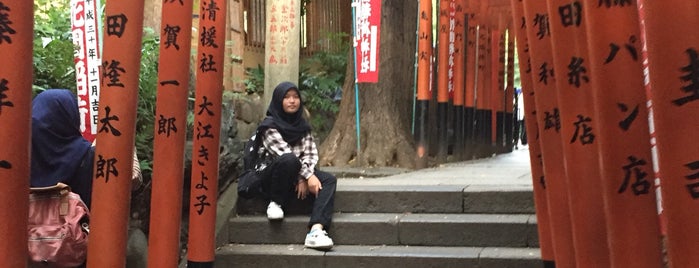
523 131
280 177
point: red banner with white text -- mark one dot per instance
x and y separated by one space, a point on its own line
367 23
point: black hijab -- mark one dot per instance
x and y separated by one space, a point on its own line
293 127
58 147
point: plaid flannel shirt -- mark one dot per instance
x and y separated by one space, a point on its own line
274 145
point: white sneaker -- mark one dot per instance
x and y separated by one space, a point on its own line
318 239
274 211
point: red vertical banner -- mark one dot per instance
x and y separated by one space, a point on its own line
451 48
625 156
537 21
207 126
367 28
111 189
169 137
16 35
673 75
579 132
87 61
535 155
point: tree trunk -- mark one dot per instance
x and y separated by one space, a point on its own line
385 107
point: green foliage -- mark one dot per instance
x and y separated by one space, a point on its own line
255 80
53 47
321 79
147 88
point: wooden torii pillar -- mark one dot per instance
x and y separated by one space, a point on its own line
543 221
672 55
470 80
549 127
111 189
625 155
482 92
496 68
169 137
424 81
579 132
443 76
16 22
206 136
458 81
510 118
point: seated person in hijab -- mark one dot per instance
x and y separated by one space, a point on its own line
289 157
59 151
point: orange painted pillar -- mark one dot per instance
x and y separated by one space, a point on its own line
424 80
489 84
443 76
625 156
499 58
481 93
579 132
533 140
458 81
548 116
510 89
502 84
169 137
15 111
111 187
470 82
495 88
206 136
673 56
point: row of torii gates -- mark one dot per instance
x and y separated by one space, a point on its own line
611 97
114 150
613 86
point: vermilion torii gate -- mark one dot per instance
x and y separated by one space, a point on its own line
610 88
586 63
16 31
611 92
115 138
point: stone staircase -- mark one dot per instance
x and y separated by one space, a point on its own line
484 226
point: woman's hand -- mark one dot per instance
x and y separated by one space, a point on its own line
314 185
301 189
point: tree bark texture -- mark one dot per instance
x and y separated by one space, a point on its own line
385 107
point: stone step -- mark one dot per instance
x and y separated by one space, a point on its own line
483 230
378 256
496 199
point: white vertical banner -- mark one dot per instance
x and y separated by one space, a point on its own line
84 29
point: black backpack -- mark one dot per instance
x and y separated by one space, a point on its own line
249 182
250 151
